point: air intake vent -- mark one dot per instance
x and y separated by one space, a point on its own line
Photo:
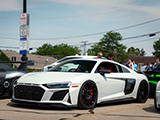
28 92
59 95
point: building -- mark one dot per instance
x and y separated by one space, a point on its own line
143 61
39 61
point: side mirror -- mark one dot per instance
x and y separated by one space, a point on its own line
102 72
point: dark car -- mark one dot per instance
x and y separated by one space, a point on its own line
7 77
153 78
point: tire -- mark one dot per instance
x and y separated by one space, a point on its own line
143 92
88 95
155 104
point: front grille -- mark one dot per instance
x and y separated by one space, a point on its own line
28 92
59 95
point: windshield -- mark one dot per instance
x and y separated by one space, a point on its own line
84 66
67 58
7 68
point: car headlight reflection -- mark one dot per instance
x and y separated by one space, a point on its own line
57 85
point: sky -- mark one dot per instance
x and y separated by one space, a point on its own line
74 21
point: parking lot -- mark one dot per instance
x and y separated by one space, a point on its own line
111 111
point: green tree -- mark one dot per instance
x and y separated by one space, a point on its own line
3 57
46 49
62 50
65 50
110 43
142 52
156 47
136 51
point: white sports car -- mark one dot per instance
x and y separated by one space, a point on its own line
157 97
83 83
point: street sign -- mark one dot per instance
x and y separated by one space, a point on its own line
24 19
23 31
23 46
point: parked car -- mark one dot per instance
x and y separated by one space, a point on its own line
47 67
153 78
7 76
83 83
157 97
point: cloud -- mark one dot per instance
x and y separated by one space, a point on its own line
92 3
150 10
9 5
110 5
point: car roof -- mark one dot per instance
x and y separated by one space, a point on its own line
93 59
79 56
76 57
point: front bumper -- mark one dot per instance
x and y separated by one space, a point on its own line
39 94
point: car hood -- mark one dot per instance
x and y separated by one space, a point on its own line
14 74
51 77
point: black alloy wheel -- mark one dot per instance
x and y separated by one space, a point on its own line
88 95
143 92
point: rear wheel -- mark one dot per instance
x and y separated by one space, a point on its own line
143 92
88 95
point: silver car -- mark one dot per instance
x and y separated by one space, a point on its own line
7 77
157 97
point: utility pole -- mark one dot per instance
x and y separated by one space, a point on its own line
24 6
24 36
85 53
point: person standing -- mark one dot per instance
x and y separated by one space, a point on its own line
99 55
135 65
157 64
130 64
110 56
151 68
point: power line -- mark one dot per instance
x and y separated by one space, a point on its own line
144 35
140 41
15 47
9 47
86 35
133 37
139 24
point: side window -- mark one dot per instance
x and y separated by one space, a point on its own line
119 69
107 65
124 70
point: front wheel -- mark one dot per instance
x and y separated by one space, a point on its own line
143 92
88 95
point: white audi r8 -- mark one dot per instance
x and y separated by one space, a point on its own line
157 97
83 83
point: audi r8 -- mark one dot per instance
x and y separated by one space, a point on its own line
83 83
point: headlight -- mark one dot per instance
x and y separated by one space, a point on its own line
57 85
